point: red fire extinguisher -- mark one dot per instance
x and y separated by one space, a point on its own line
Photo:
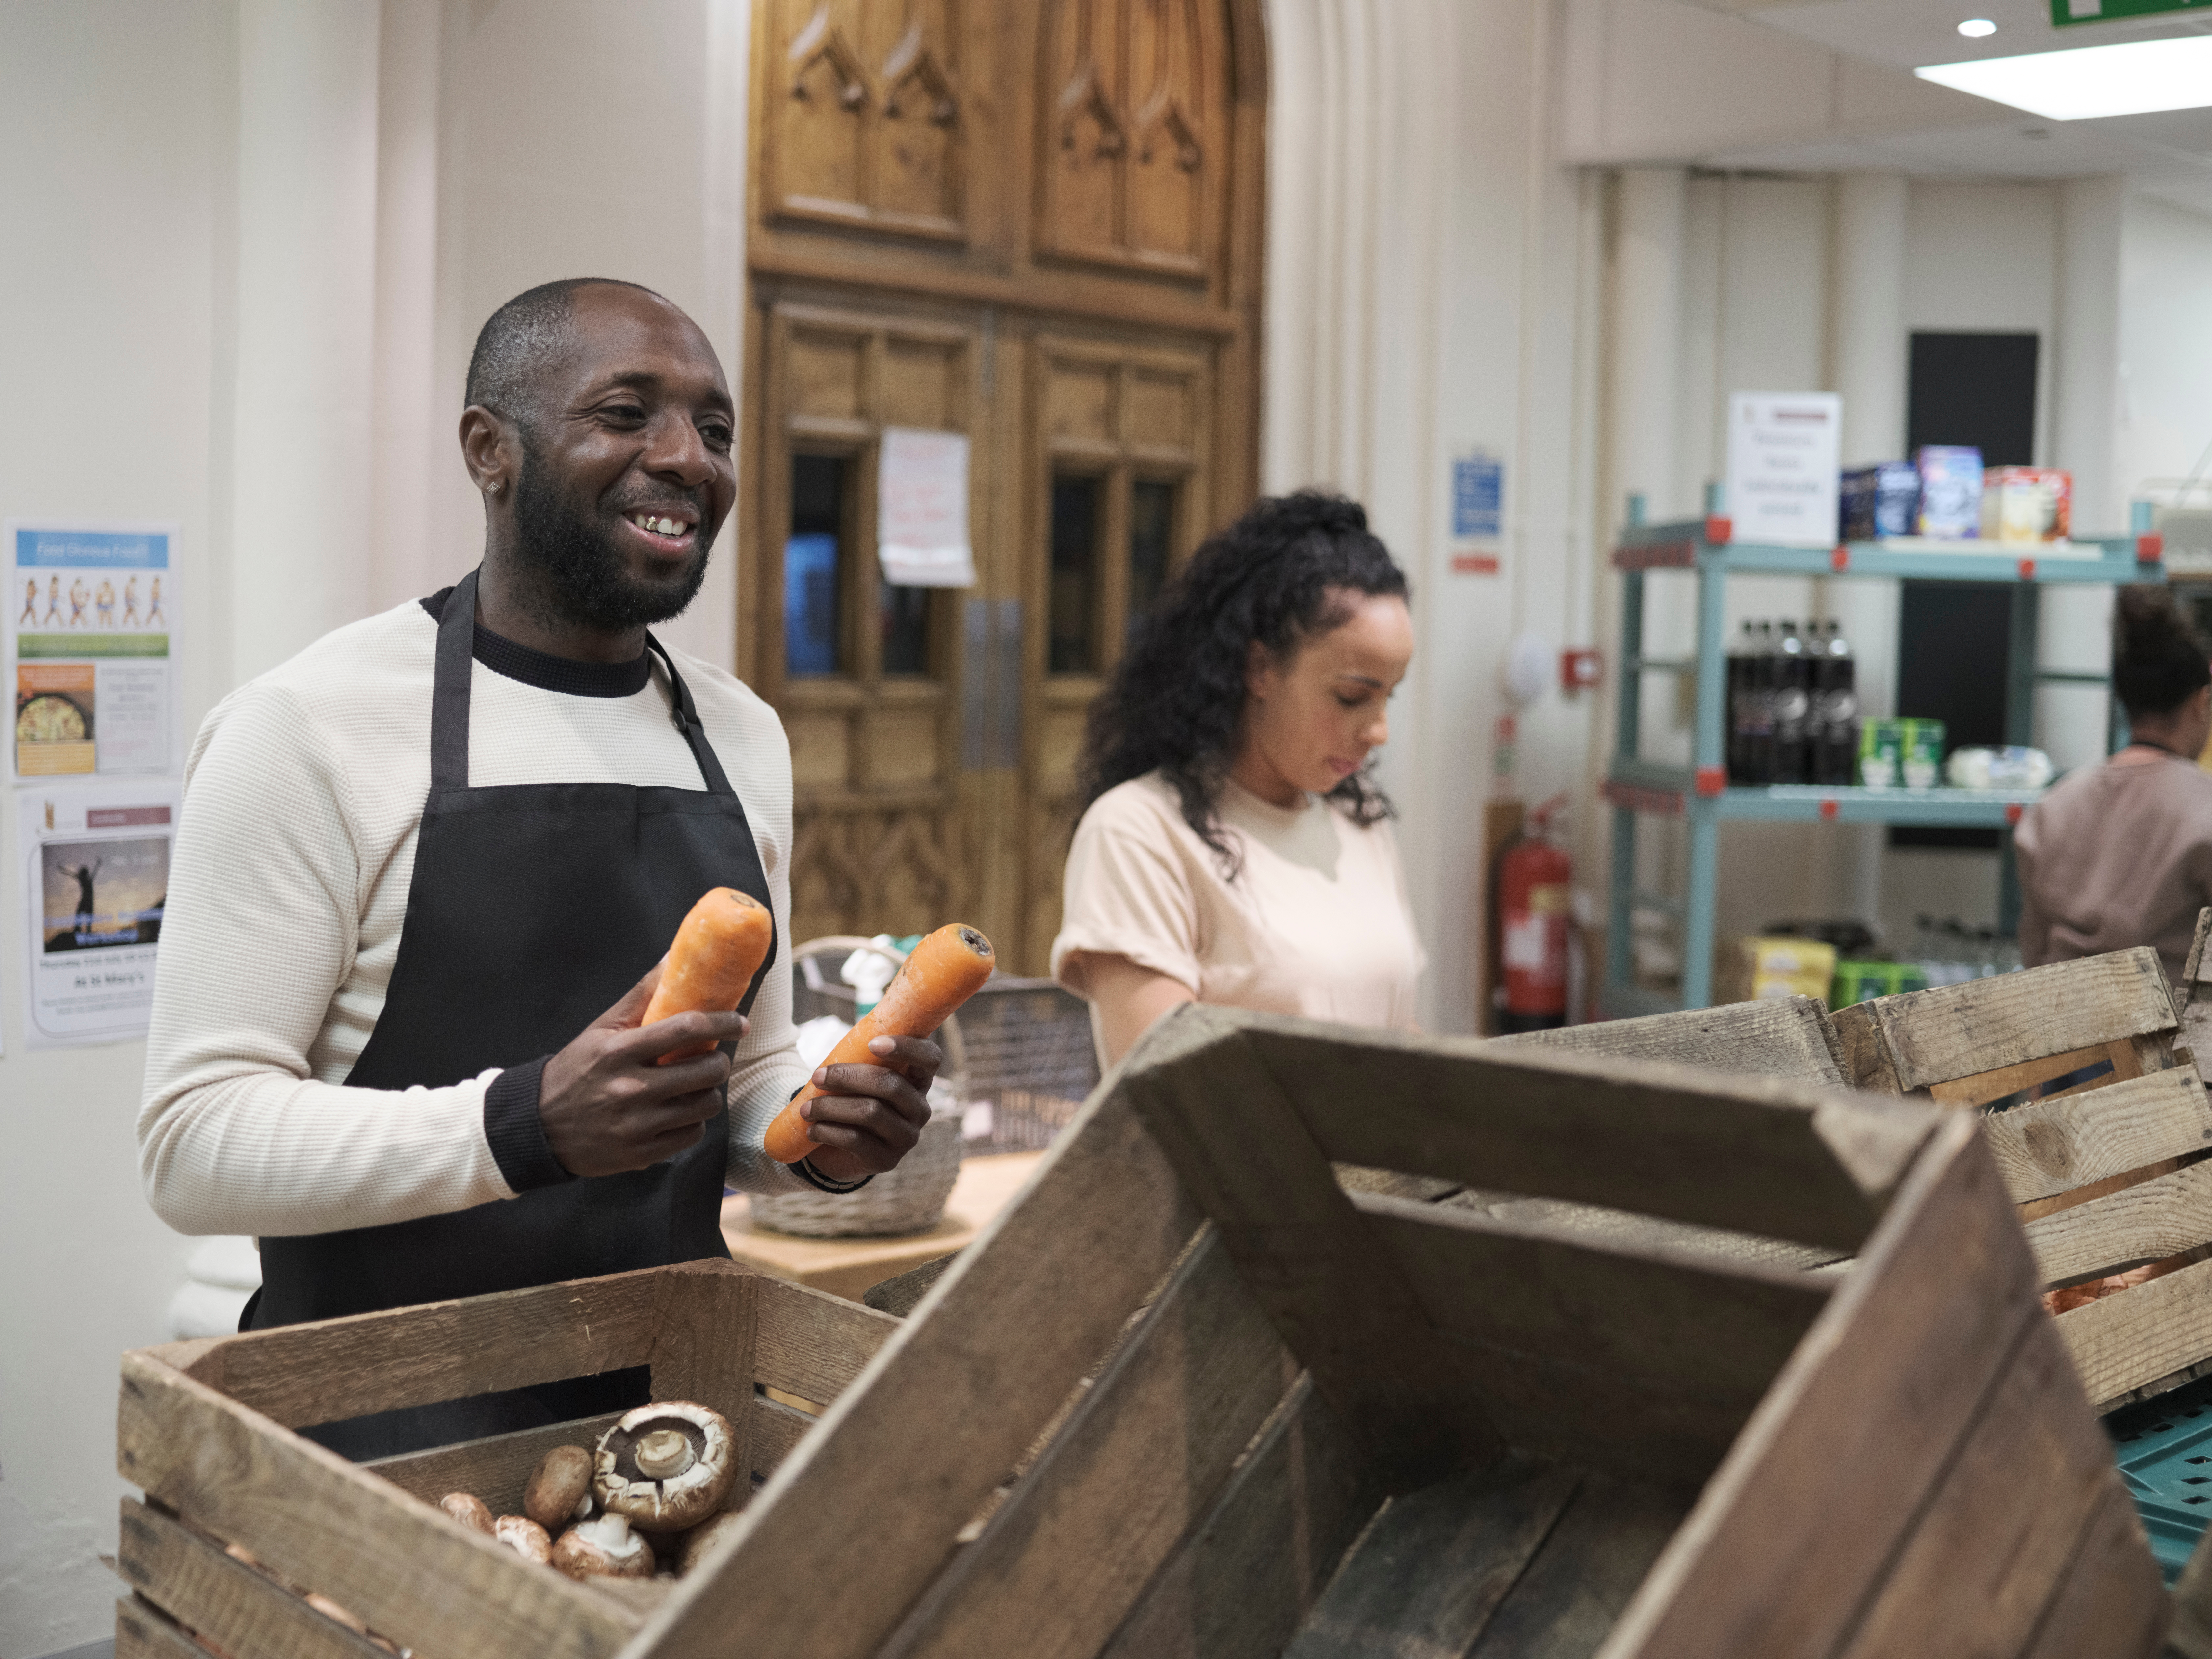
1535 881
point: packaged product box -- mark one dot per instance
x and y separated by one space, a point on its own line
1879 500
1752 969
1950 492
1882 752
2027 505
1860 981
1920 753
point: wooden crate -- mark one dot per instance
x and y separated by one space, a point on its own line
2108 1176
1348 1422
205 1429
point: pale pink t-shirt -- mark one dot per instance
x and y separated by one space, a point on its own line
1316 922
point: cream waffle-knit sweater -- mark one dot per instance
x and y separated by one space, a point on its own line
287 886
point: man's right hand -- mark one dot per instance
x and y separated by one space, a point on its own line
608 1107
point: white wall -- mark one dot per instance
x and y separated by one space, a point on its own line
116 131
2165 343
254 242
1421 301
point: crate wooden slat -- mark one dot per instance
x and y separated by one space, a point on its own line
205 1428
1851 1463
2106 1172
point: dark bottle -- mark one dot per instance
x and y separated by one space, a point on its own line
1743 651
1835 710
1759 708
1793 701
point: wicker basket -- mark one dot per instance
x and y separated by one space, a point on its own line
1027 1058
907 1199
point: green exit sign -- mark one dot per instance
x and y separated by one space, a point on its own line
2063 12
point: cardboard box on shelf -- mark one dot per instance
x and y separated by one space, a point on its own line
2027 505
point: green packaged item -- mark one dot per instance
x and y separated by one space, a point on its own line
1921 753
1881 753
1861 981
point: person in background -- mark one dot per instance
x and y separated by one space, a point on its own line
1233 848
2120 855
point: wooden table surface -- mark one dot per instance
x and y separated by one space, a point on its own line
847 1266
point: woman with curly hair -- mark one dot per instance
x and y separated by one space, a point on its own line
2120 855
1233 848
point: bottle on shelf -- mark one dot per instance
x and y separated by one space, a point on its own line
1835 717
1743 651
1758 686
1793 699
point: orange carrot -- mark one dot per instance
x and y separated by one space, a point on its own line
718 950
943 972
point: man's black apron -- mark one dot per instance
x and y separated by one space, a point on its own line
533 908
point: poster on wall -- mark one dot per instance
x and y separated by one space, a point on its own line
95 882
1784 476
92 611
1478 512
921 509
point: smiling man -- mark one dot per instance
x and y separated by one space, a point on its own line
426 871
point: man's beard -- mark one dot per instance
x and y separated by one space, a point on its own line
574 569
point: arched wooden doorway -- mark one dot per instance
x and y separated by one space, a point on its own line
1036 223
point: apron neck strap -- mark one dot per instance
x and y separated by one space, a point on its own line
449 698
449 692
686 716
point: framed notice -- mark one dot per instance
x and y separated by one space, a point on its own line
921 509
91 610
1783 480
95 862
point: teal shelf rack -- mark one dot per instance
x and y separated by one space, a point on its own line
1705 551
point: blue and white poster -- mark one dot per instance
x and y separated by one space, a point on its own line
91 613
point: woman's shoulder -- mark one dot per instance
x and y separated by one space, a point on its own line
1144 804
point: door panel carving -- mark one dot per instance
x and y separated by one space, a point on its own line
1035 222
866 129
1131 90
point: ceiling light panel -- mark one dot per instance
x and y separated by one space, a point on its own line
2132 78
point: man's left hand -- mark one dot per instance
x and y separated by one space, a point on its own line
869 1117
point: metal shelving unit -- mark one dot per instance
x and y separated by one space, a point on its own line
1700 793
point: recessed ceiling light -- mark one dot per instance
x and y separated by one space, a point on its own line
1975 28
2132 78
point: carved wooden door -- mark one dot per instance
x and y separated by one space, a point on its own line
1035 223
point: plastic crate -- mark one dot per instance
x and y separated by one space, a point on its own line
2165 1452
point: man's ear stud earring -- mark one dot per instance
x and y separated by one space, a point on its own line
492 489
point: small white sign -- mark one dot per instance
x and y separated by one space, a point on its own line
95 882
1783 471
921 509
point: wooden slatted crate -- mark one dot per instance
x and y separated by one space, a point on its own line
1347 1421
2109 1174
205 1429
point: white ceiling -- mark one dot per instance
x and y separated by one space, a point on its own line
2167 155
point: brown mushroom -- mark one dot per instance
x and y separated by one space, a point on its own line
604 1548
560 1489
667 1466
468 1508
523 1536
703 1537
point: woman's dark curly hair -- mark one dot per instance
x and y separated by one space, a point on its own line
1281 575
2158 658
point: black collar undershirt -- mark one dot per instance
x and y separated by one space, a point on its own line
551 673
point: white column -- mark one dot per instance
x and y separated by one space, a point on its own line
2085 407
306 318
1646 332
1866 337
414 416
2086 391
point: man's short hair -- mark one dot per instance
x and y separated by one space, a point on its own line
520 339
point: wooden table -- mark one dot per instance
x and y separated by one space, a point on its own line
847 1266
